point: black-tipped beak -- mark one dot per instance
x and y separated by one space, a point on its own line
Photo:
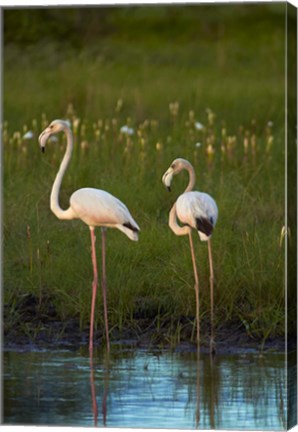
169 188
42 148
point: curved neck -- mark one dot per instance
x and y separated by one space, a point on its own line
192 177
177 229
55 207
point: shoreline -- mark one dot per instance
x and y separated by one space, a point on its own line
58 335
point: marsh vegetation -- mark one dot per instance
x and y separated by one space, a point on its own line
143 86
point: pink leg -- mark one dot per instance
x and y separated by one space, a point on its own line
94 287
196 287
212 343
104 285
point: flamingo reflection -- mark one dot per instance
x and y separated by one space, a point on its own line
198 409
207 390
105 392
93 392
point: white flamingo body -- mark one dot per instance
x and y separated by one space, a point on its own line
193 207
95 207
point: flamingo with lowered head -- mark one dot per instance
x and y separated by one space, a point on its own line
95 207
199 211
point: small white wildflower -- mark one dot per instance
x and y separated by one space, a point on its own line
198 144
199 126
127 130
28 135
53 138
270 123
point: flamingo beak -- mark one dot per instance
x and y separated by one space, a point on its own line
43 137
167 178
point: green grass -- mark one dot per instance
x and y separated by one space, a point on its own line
240 80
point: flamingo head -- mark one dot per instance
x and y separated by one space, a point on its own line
54 127
176 166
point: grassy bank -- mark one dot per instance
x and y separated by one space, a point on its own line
161 87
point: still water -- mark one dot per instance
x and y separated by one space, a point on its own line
135 388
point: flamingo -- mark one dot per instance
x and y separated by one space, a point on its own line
196 210
95 207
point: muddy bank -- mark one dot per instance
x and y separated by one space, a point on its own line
143 335
34 328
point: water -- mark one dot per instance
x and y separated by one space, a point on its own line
144 389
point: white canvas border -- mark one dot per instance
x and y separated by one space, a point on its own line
53 3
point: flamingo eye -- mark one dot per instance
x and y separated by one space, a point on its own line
173 166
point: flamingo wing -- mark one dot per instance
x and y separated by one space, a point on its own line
96 207
198 210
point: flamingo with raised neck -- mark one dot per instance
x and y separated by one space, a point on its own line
96 208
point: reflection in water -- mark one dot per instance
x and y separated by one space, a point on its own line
105 390
198 394
93 393
142 389
213 373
